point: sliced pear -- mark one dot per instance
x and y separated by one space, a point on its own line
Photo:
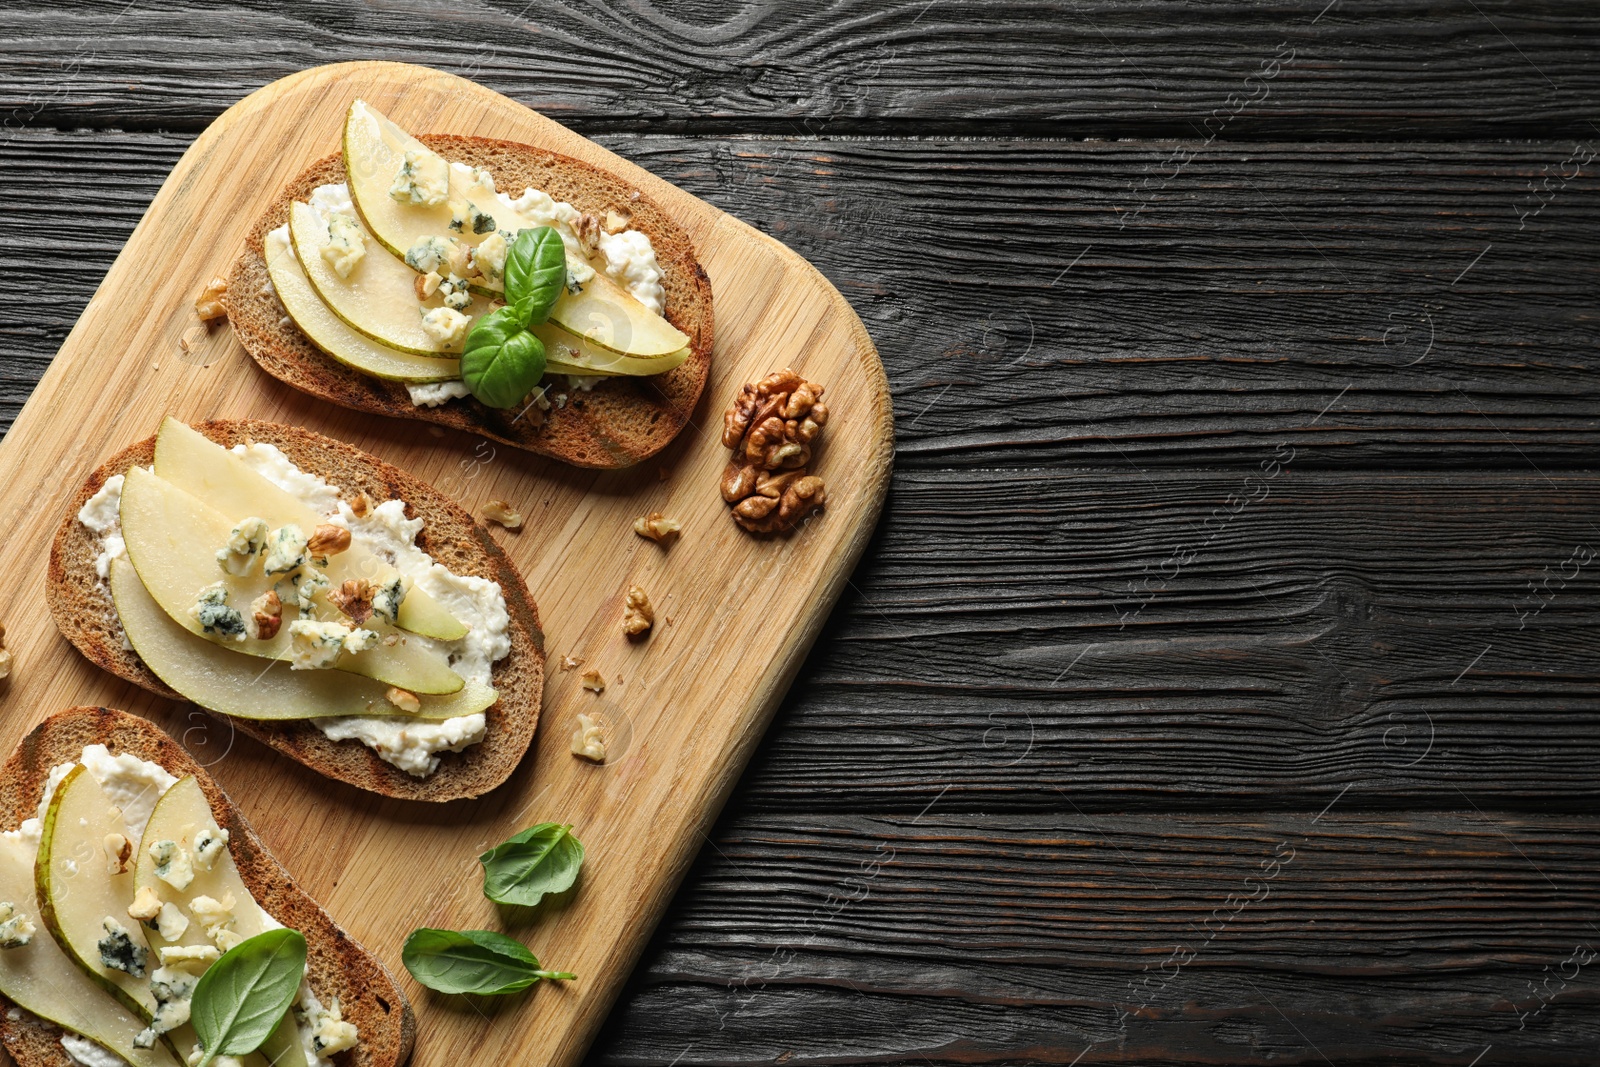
374 149
182 814
567 353
164 526
604 312
39 977
230 684
77 892
333 335
198 465
379 298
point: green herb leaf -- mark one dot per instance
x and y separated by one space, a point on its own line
536 272
243 997
502 362
472 961
544 859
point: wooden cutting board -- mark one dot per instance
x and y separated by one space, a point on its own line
735 615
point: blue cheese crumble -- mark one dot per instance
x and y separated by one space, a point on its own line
286 550
211 610
423 178
347 244
245 541
16 929
117 950
173 865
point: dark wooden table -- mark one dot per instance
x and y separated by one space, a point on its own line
1221 686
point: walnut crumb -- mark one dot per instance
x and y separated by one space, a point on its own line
593 682
637 614
5 656
119 851
406 702
569 662
209 306
360 505
266 611
588 740
354 598
658 528
328 540
503 513
617 219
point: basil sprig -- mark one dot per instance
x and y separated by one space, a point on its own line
543 859
536 272
243 997
473 961
503 361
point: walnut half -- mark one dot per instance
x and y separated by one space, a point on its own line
772 427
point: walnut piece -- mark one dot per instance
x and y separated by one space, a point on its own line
589 230
360 505
5 656
502 512
772 427
657 527
569 662
209 307
266 611
637 614
119 851
617 219
593 682
354 598
588 740
405 701
328 540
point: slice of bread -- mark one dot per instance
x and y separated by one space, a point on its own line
335 965
620 422
81 603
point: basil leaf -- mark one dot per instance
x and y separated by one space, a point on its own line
472 961
243 997
502 362
536 272
540 860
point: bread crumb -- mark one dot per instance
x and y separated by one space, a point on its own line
593 682
569 662
503 513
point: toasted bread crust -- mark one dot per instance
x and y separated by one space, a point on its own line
620 422
335 964
80 602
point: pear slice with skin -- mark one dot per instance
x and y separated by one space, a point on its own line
602 312
336 337
40 978
230 684
167 533
379 298
180 815
77 892
199 466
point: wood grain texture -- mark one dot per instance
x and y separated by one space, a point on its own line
948 938
1362 304
1108 69
685 707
